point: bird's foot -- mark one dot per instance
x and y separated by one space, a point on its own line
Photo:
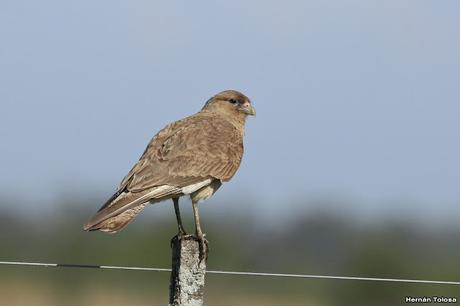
180 236
203 246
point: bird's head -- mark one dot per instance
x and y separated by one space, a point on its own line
232 103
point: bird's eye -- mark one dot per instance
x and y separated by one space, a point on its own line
233 101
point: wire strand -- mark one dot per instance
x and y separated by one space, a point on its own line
262 274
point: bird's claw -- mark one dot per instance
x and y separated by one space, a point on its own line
180 236
203 246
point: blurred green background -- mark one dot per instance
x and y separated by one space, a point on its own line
318 242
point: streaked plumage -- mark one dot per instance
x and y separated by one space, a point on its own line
192 156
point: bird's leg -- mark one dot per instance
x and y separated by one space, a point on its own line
180 227
199 233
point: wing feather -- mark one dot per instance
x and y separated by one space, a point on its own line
186 152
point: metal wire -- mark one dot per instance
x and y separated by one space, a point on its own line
263 274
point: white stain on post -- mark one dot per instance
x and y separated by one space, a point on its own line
188 272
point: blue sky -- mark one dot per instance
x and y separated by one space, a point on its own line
356 100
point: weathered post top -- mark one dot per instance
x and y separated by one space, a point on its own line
188 272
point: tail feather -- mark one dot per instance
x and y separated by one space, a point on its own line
115 224
123 207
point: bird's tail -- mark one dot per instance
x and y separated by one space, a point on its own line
123 206
114 224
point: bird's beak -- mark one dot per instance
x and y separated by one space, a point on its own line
248 109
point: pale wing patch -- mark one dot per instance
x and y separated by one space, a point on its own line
194 187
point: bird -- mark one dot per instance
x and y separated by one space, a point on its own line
191 157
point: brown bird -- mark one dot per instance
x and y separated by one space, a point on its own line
192 156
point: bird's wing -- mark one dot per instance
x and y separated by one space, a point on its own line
186 152
191 151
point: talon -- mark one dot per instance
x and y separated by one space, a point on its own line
181 234
203 247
